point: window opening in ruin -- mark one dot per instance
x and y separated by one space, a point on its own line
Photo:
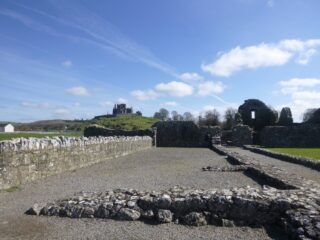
253 114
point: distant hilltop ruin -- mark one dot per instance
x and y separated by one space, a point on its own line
120 109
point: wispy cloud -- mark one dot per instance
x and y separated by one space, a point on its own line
304 94
210 87
78 91
67 63
144 95
262 55
38 105
175 89
96 30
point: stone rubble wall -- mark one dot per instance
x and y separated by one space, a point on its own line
301 135
24 160
301 197
184 134
307 162
241 135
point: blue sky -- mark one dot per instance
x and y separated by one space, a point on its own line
75 59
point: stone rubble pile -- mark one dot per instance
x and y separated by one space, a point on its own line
297 211
29 144
301 219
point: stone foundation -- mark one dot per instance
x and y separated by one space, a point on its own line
25 160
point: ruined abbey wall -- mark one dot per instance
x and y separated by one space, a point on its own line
302 135
184 134
25 160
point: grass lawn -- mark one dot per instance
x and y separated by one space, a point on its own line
303 152
9 136
126 122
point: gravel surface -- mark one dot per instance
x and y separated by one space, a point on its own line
287 166
159 168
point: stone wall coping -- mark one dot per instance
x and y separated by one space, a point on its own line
31 144
307 162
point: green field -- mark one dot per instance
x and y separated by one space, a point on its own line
313 153
9 136
126 122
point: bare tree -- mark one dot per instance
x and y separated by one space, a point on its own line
174 115
212 118
308 114
164 114
229 118
187 116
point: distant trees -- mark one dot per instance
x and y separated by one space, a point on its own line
211 118
308 114
163 114
285 118
229 118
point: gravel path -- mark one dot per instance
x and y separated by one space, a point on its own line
159 168
287 166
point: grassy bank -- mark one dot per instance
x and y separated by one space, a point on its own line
9 136
313 153
126 122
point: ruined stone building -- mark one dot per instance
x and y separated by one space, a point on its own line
121 109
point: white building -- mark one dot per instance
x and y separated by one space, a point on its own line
7 127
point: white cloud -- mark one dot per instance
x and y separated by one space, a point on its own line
62 113
76 104
262 55
252 57
209 87
106 104
190 76
78 91
41 105
300 82
170 104
175 89
144 95
67 63
304 93
122 100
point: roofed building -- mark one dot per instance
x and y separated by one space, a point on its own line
6 127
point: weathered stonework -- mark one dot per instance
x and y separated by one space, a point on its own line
241 135
307 162
299 135
184 134
299 197
25 160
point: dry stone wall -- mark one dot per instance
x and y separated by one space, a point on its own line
302 135
25 160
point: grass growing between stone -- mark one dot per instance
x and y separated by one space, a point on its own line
9 136
12 189
313 153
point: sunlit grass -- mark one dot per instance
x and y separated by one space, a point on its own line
313 153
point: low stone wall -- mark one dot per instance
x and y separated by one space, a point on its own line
194 207
301 219
307 162
97 130
25 160
302 135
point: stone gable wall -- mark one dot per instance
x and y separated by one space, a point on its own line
25 160
184 134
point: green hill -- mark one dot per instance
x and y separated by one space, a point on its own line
126 122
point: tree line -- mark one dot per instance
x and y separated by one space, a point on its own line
230 118
209 118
